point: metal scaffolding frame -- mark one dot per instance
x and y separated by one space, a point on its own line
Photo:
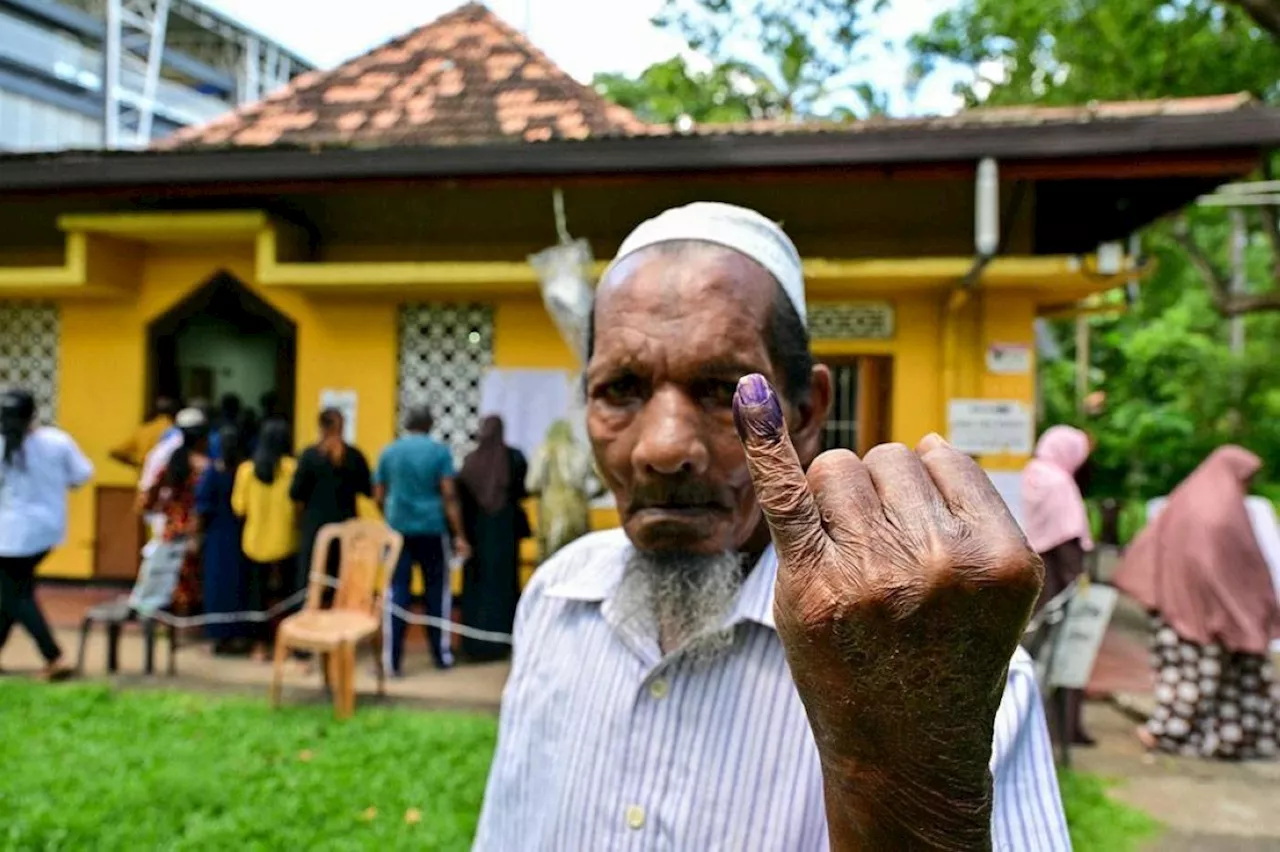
133 27
137 34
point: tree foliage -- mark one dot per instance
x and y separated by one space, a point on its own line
1055 52
666 91
1174 388
1266 13
807 48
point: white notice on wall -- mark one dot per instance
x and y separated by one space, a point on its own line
344 401
1009 359
989 426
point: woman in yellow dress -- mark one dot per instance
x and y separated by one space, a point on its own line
270 539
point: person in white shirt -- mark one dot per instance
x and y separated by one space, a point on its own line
38 465
782 648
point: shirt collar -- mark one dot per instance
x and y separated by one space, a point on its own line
598 583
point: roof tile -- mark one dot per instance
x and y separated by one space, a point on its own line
466 78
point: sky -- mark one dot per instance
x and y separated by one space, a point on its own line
329 31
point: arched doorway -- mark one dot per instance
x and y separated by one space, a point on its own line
224 339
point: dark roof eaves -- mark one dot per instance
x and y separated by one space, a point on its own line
1252 129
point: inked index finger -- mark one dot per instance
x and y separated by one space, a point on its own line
781 488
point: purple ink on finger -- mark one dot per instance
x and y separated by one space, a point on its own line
756 409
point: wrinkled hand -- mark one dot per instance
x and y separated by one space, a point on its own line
903 588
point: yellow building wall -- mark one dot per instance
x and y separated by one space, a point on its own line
1006 318
350 342
342 343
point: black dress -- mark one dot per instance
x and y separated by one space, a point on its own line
328 495
491 577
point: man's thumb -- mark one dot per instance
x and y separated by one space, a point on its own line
780 484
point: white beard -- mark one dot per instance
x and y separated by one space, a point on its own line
683 599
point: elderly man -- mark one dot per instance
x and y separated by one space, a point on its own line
781 650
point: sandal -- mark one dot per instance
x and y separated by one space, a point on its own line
55 672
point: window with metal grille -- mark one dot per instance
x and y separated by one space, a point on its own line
29 333
444 351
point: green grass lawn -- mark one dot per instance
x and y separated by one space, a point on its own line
83 767
1097 822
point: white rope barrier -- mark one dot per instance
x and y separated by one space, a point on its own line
289 603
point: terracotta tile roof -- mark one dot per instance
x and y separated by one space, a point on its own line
1011 116
466 78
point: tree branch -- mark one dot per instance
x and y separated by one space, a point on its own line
1218 282
1227 303
1265 13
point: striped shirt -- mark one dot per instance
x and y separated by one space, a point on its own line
605 744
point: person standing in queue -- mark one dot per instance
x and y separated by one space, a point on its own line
223 582
38 465
491 490
133 451
170 574
416 492
1057 528
270 542
331 475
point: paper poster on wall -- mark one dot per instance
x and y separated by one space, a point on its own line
990 426
528 401
344 401
1009 359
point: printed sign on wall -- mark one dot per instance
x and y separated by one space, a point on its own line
989 426
1009 359
344 401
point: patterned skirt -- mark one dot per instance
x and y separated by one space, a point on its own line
1211 702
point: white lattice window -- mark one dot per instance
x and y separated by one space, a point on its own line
850 321
444 351
29 334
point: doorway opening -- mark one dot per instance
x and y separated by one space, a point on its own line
225 339
861 403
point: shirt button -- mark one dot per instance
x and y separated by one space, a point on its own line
635 816
658 689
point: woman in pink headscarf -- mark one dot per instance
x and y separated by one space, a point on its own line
1056 523
1198 568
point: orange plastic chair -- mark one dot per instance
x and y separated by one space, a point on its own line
368 553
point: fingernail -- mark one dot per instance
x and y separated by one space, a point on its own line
756 409
753 389
932 441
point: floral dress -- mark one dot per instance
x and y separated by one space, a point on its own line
181 525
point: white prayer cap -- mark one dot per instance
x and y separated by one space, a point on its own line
745 231
190 418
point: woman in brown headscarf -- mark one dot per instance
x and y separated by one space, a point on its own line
491 486
1198 568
